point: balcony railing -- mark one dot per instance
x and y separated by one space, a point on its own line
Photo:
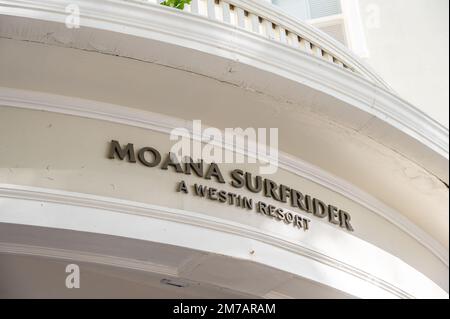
269 22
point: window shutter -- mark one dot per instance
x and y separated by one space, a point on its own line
323 8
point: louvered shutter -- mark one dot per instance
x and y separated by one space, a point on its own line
324 8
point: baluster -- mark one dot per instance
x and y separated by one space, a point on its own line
317 51
305 45
339 63
282 35
269 29
241 17
255 22
328 57
226 12
194 6
294 41
211 9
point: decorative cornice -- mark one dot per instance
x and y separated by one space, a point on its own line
165 124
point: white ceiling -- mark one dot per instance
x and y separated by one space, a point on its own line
110 273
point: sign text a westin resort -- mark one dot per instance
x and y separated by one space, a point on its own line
150 157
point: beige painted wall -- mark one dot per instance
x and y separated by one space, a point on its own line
70 153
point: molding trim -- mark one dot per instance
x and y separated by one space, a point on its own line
20 249
165 124
213 37
183 217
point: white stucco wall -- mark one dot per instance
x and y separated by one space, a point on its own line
407 42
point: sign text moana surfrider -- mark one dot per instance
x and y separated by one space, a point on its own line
150 157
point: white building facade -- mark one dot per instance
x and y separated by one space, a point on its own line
90 94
